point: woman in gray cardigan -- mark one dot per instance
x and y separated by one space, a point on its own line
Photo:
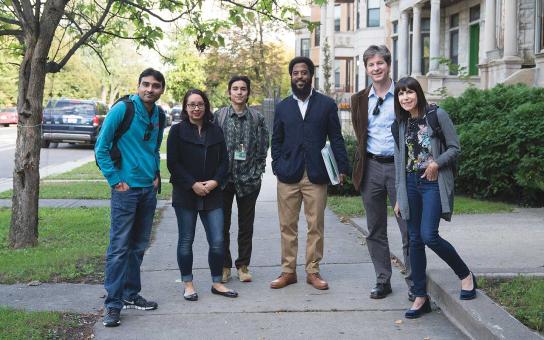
424 180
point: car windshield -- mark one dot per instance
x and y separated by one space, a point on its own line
65 108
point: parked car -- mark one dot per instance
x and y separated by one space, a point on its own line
168 115
72 121
176 113
8 115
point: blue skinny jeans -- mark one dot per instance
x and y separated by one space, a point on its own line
213 225
425 212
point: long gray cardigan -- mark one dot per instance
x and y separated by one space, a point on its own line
442 156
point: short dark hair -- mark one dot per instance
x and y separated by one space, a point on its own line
245 80
208 116
404 84
155 74
300 60
375 50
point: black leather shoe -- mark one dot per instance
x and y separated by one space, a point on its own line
411 296
381 290
228 293
416 313
469 294
190 297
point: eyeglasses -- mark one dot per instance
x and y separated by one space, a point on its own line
194 106
148 131
377 107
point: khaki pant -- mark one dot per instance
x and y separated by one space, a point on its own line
290 197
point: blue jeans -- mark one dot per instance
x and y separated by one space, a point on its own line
131 220
213 225
425 212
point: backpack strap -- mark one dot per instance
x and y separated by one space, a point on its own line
432 119
127 118
395 131
221 116
121 129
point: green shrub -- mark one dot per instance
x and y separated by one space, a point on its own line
347 189
502 143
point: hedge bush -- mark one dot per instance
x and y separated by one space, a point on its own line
502 143
347 189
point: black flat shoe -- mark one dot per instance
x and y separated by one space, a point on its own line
469 294
381 290
228 293
190 297
416 313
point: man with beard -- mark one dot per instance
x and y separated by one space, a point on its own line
302 123
134 180
374 170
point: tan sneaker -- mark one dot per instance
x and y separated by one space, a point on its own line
243 274
226 275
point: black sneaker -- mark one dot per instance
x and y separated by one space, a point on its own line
112 317
138 302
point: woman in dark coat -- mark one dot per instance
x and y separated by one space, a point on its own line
424 181
197 161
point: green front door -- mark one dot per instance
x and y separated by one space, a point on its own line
474 46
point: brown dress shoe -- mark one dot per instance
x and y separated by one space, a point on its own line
283 280
316 281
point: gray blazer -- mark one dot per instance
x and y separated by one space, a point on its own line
442 156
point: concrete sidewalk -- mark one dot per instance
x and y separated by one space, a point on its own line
498 245
297 311
488 243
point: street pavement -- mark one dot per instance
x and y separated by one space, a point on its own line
490 244
298 311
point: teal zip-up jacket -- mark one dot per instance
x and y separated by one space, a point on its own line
140 160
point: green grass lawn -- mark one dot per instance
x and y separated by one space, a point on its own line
83 190
17 324
353 206
163 145
72 244
523 297
91 171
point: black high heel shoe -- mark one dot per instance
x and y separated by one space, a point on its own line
469 294
416 313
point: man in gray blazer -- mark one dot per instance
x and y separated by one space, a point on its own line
372 114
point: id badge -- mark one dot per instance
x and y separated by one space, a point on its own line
240 153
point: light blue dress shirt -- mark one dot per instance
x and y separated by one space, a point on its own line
380 141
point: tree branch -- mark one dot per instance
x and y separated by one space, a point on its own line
16 33
153 14
53 67
10 21
99 57
252 8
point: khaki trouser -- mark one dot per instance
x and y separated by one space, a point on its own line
290 197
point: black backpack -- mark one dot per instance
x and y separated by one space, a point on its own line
432 119
115 153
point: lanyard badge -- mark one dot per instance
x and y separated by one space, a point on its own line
240 153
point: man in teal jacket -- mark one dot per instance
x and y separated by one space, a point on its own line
133 193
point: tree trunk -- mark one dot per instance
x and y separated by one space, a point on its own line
38 36
26 173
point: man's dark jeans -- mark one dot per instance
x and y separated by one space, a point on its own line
132 214
425 212
246 218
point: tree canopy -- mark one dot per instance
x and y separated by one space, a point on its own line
45 34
